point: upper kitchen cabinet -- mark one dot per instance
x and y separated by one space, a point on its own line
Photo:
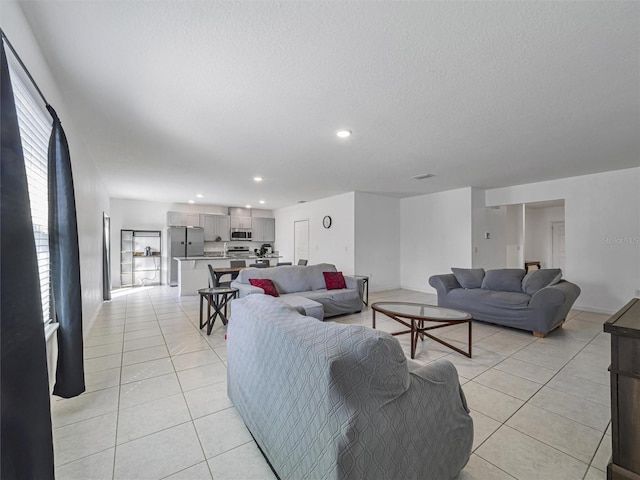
183 219
240 217
240 222
263 229
216 226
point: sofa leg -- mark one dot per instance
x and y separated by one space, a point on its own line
538 334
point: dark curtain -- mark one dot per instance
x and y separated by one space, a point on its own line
27 448
64 260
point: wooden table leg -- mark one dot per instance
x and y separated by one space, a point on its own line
414 338
201 299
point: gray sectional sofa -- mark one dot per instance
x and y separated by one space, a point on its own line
304 287
325 400
538 301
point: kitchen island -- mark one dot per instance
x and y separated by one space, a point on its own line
193 272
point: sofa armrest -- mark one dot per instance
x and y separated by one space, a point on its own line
557 295
444 419
440 371
244 289
444 283
552 304
354 283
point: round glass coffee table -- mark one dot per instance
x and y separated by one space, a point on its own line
419 318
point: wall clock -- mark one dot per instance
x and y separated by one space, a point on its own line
326 221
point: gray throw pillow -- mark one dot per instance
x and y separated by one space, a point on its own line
538 279
503 280
469 277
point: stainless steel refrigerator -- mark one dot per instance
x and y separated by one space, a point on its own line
183 242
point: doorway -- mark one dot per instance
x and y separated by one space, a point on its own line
106 257
558 252
301 240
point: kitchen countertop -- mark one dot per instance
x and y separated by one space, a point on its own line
228 257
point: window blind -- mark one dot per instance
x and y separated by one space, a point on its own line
35 128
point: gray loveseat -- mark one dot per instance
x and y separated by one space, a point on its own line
296 283
538 301
325 400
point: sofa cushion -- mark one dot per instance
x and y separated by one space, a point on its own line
315 275
503 280
265 284
469 277
289 278
334 280
474 300
538 279
510 300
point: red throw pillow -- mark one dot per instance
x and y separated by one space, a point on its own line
265 284
334 280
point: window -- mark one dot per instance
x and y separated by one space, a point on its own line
35 128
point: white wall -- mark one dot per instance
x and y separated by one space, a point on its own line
436 235
515 236
537 244
602 224
333 245
489 252
377 240
91 195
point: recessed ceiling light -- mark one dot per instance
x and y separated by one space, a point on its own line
199 195
257 179
423 176
192 201
343 133
261 202
247 206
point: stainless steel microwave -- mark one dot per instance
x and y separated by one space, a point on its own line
240 234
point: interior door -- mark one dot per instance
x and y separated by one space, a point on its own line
558 254
301 240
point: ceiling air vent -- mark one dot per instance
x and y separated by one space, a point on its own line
423 176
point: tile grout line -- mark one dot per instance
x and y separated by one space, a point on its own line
527 401
184 398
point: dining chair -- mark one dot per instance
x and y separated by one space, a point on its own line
237 263
259 265
280 264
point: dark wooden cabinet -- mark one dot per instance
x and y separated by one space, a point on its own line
624 327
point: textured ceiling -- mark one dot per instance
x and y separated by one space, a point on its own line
175 98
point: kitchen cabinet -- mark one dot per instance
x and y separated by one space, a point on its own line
263 229
183 219
240 222
216 226
240 217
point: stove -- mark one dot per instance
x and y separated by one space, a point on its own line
238 249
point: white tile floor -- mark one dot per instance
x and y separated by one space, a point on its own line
156 403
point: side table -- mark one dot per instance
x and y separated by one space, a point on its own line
218 298
365 288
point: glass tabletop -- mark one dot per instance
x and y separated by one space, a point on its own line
217 290
420 311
